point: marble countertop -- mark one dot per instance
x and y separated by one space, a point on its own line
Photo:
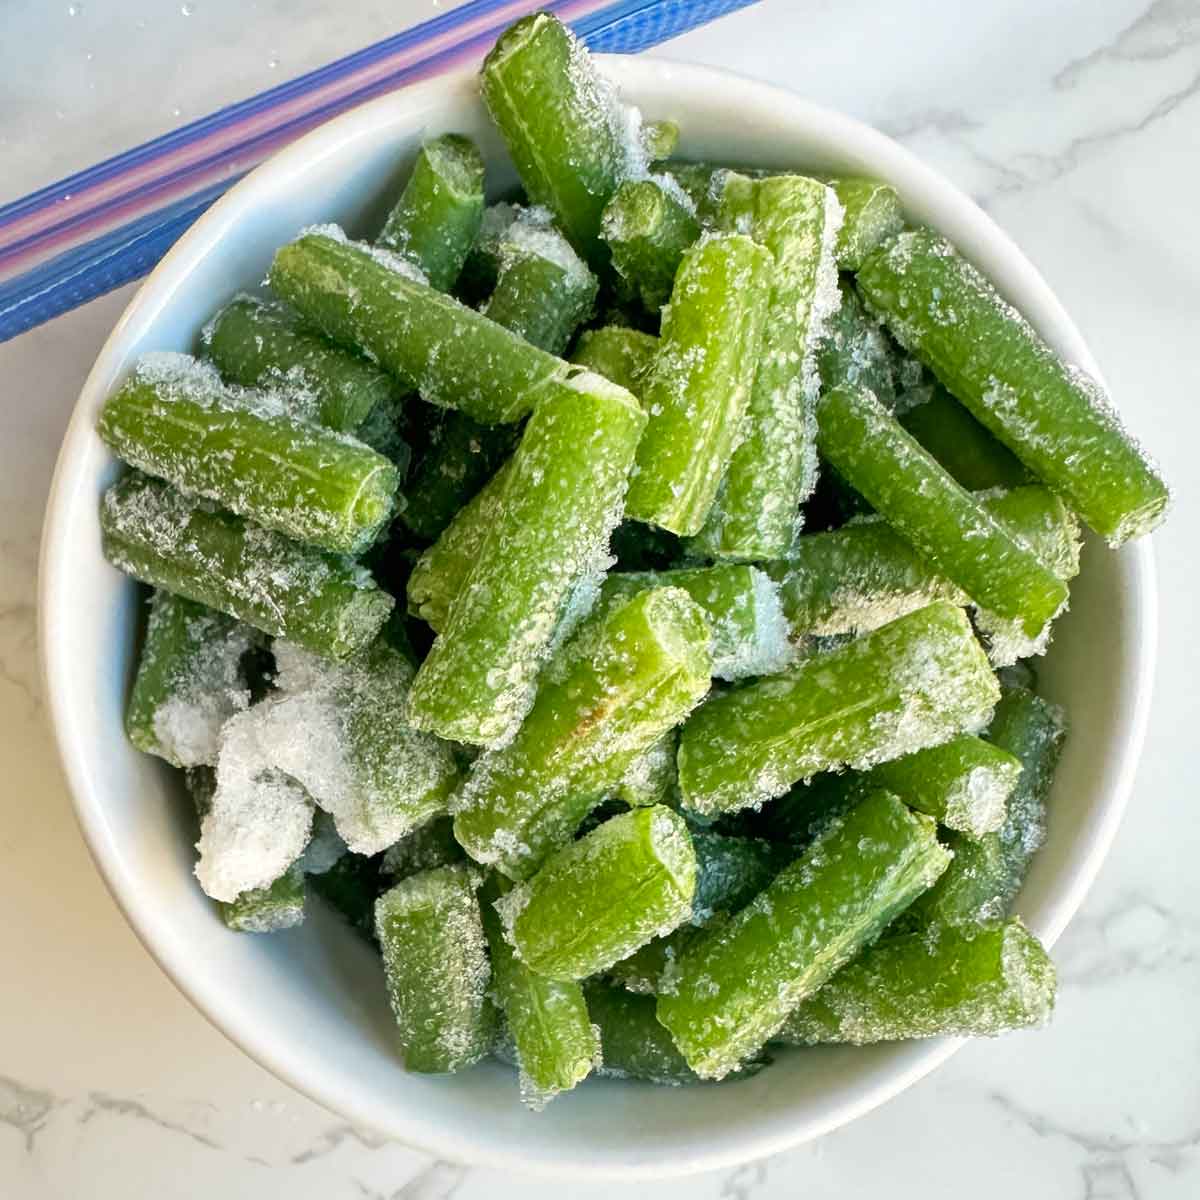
1077 126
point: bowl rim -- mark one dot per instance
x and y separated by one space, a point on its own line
53 582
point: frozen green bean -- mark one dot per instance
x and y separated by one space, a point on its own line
278 906
559 504
873 214
435 960
937 516
699 387
917 986
910 684
648 227
659 139
733 988
562 123
324 602
756 514
436 220
633 1044
598 899
174 418
623 355
855 351
454 356
556 1043
189 682
1053 416
261 345
643 670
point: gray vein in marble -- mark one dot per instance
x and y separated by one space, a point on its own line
1106 1169
742 1181
439 1181
1165 28
25 1109
331 1139
102 1102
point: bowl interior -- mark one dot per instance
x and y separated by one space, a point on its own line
309 1004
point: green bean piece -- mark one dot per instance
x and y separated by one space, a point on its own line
873 214
438 574
436 964
638 675
556 1043
659 139
462 457
597 900
855 352
278 906
455 357
174 418
749 630
1053 416
774 470
858 577
964 783
647 229
963 446
699 387
937 516
652 777
431 845
644 970
733 988
479 273
261 345
622 355
436 220
383 430
559 504
918 986
700 182
633 1043
543 288
189 680
731 871
910 684
338 729
325 602
986 875
561 122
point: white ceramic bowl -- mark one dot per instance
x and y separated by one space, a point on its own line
309 1004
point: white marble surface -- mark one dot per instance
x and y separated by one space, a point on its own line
1077 125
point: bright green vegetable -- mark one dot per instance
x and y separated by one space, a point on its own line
699 387
733 987
872 214
916 986
634 1045
436 220
1054 417
942 521
324 602
561 122
543 289
644 668
278 906
987 873
749 631
647 229
438 574
958 441
623 355
262 345
454 356
651 777
556 1043
855 352
598 899
189 680
910 684
659 139
173 418
757 510
559 504
436 964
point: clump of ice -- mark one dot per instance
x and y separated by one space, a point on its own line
259 820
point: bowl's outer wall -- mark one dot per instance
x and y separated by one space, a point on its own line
309 1003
